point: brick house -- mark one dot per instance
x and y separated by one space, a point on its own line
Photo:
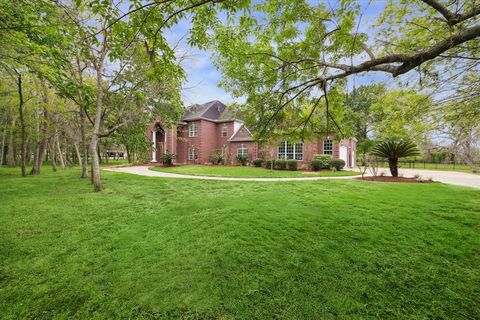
207 127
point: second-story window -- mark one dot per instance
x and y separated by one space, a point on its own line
193 130
224 131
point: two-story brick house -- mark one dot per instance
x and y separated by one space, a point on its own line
212 126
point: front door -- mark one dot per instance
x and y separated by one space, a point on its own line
344 154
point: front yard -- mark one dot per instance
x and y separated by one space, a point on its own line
248 172
157 248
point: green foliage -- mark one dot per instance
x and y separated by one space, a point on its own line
316 165
217 157
242 159
79 233
270 164
167 159
258 163
292 165
338 164
246 172
323 160
280 164
402 114
393 148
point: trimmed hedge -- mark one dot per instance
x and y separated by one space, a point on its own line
258 163
292 165
281 164
316 165
324 160
268 164
338 164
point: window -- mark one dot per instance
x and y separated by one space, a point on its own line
290 151
242 151
193 130
192 153
327 147
224 131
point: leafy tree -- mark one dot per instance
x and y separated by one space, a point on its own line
285 55
393 149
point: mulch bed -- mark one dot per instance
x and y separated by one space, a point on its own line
394 179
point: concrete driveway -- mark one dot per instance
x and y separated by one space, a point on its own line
450 177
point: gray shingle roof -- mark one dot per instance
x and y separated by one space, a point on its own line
213 110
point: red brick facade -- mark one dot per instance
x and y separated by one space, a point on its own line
229 135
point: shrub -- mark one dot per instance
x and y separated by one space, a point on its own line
280 164
316 165
338 164
270 164
258 163
324 160
242 160
167 159
217 157
292 165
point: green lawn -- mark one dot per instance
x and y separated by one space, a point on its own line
432 166
151 248
247 172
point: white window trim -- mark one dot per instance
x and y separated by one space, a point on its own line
192 130
295 154
192 154
243 148
224 131
331 150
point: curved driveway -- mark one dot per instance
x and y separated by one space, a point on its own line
450 177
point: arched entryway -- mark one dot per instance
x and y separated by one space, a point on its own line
158 139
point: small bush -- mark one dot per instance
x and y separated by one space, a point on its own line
292 165
324 159
217 157
338 164
280 164
270 164
242 160
316 165
167 159
258 163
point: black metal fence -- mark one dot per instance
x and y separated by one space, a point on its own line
417 164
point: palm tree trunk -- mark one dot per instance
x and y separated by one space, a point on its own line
393 164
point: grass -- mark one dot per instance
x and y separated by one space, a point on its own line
432 166
247 172
151 248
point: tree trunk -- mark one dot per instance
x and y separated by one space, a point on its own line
97 182
393 164
23 151
4 138
38 145
83 136
11 158
77 152
59 151
53 157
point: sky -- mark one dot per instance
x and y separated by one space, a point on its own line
202 78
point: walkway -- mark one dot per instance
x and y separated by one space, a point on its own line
456 178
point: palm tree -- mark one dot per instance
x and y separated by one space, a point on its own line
394 149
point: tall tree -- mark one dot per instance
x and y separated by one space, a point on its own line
285 51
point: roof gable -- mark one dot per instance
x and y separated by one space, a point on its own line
213 110
242 134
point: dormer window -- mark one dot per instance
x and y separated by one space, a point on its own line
224 131
193 130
